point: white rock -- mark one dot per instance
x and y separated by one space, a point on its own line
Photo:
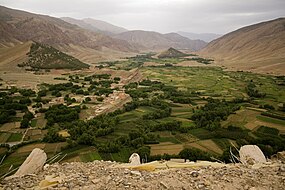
136 173
135 159
251 154
33 163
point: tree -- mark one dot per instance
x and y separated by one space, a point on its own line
194 154
25 123
144 153
52 136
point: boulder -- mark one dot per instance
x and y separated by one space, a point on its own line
33 163
251 154
135 159
281 156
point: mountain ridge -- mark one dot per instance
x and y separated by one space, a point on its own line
95 25
207 37
157 41
262 45
52 31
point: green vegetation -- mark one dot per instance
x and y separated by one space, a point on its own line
176 112
47 57
171 53
14 137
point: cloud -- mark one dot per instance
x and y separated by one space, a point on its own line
217 16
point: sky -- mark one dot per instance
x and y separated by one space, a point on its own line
198 16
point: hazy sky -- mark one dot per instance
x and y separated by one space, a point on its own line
199 16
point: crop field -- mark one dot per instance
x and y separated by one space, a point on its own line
173 108
10 126
34 134
4 137
14 137
166 148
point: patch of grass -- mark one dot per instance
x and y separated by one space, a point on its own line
223 143
88 157
122 156
4 137
14 137
271 120
201 133
34 123
169 139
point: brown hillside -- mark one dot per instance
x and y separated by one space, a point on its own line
259 47
22 26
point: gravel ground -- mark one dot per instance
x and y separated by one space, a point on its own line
107 175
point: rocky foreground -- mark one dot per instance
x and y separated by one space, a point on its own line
110 175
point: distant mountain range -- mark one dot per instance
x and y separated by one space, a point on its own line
141 40
148 40
207 37
259 47
96 25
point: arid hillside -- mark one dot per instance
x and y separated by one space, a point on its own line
259 47
22 26
147 40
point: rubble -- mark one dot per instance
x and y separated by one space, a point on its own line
110 175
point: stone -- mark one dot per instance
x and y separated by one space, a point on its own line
281 156
163 185
136 173
33 163
194 174
135 159
50 181
251 154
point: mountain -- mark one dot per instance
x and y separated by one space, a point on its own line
21 26
80 23
96 25
104 26
171 53
207 37
259 47
148 40
42 56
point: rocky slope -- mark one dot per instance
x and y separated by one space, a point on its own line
22 26
109 175
256 47
147 40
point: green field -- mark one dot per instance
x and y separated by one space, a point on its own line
15 137
173 108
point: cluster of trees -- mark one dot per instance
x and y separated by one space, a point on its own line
169 92
201 60
9 105
46 57
26 119
253 92
52 136
210 115
61 114
87 132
